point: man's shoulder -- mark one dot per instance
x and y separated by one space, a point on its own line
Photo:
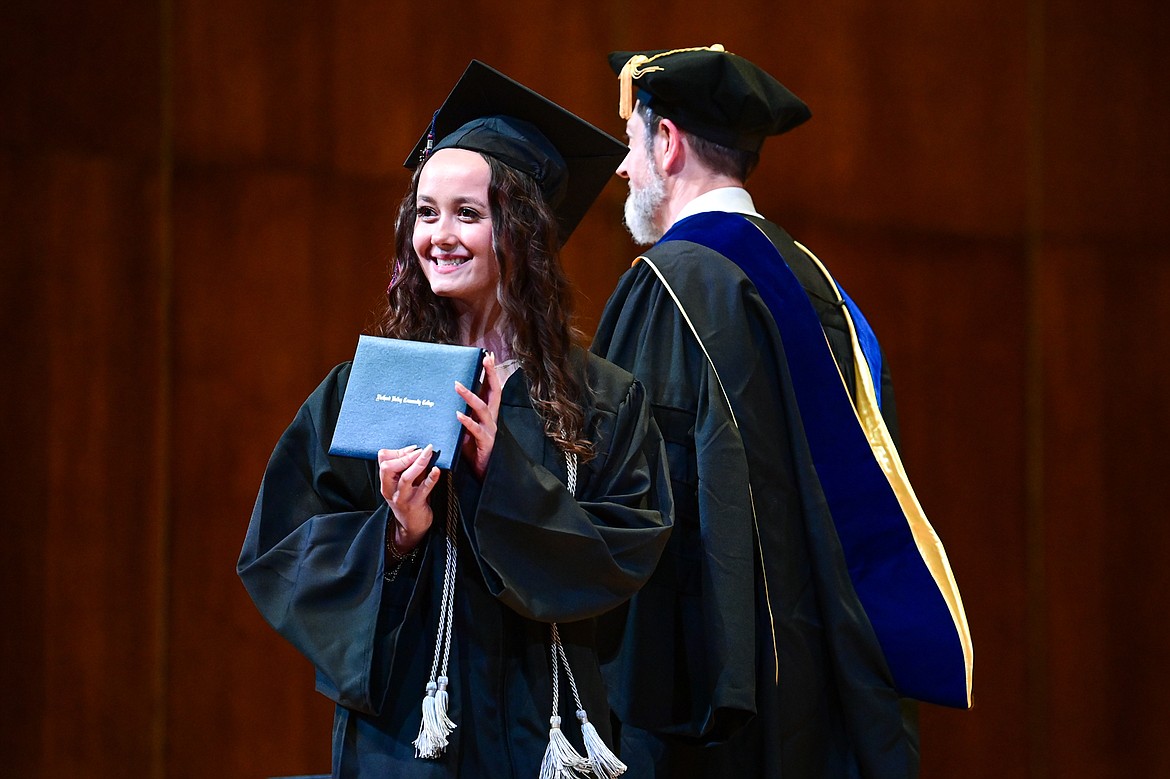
692 261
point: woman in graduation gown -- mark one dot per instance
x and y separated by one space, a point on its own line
451 615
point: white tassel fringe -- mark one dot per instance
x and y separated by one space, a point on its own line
604 762
561 760
436 725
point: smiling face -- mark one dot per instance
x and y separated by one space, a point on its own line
453 229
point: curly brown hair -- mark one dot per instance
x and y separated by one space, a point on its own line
534 293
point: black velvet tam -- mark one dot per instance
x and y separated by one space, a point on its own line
710 92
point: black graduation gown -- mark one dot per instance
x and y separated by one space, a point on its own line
529 553
748 653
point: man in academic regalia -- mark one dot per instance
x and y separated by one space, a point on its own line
755 651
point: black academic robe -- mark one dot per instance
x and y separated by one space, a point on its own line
748 653
529 553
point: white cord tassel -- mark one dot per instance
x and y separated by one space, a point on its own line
561 760
436 725
441 705
604 762
432 738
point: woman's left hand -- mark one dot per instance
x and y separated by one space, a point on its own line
480 424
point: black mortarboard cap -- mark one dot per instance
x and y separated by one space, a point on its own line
709 92
488 112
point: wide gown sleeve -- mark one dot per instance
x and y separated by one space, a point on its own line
313 555
551 556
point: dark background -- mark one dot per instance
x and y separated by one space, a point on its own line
196 208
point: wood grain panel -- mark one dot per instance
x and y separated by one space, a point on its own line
25 485
83 564
81 75
87 292
1105 272
1105 520
352 85
1106 112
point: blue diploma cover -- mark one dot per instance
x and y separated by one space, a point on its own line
402 393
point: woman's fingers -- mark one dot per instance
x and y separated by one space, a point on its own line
392 464
473 428
397 460
431 479
473 401
493 385
413 474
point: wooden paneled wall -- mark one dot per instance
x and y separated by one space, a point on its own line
196 207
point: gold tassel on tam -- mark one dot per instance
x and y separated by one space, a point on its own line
635 67
626 85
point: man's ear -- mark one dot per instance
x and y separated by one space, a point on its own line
670 140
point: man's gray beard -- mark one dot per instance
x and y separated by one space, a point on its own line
643 205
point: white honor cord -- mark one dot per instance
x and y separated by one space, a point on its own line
432 738
561 759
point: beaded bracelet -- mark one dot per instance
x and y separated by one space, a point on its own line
397 558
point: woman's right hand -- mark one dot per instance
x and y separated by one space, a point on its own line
406 486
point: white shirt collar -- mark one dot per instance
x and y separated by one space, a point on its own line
733 199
